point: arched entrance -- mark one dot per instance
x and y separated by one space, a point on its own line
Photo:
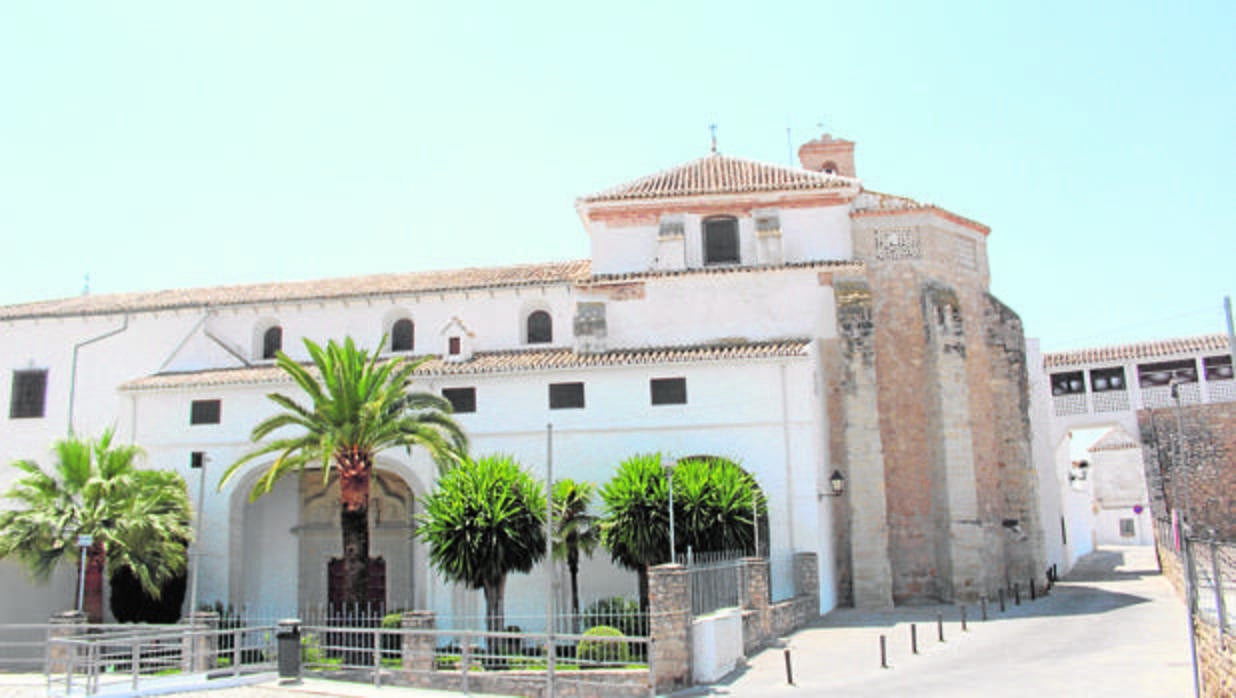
285 542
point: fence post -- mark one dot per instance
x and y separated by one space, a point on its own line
669 626
416 649
197 646
59 654
1217 575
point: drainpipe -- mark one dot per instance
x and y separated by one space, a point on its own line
73 369
789 470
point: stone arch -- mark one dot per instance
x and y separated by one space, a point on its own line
284 541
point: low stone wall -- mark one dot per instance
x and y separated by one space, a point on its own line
597 683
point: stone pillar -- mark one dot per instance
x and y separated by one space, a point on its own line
417 649
756 599
66 624
863 448
807 581
669 626
198 645
959 530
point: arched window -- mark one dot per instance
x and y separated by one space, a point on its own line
721 241
402 335
540 328
272 341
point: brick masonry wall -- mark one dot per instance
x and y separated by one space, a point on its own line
1208 478
1216 656
953 425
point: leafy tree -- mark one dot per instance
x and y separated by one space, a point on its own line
484 520
139 519
713 505
358 407
575 530
712 511
635 528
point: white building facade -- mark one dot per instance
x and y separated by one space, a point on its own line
706 322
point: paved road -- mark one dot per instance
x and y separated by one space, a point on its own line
1114 628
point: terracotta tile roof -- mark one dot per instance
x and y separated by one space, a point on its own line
856 266
1116 439
323 289
720 174
869 200
1212 343
500 362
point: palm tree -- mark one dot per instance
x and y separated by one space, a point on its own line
358 406
485 519
138 519
575 531
635 528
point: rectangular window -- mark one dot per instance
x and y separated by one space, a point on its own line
1218 368
453 346
1104 379
461 399
668 391
205 412
721 241
564 396
1151 375
1127 528
29 395
1070 383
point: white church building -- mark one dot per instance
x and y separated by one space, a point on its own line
708 320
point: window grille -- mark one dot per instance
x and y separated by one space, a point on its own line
29 396
461 399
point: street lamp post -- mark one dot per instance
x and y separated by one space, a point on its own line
84 542
669 472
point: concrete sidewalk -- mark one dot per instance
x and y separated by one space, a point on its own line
1113 628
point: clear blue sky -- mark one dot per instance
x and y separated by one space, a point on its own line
158 145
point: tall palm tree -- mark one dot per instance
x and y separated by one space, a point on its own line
138 519
484 520
358 407
575 531
635 528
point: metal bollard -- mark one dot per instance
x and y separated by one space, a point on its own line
1002 601
1033 593
789 669
984 603
883 652
963 619
913 638
940 626
1016 594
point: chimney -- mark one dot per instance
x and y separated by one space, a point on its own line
828 154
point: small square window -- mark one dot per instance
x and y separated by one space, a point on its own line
668 391
566 396
453 346
29 395
1128 528
461 399
206 412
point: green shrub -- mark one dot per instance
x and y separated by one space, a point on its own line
617 612
601 652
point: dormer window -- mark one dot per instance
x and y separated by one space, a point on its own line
540 327
721 241
272 341
402 335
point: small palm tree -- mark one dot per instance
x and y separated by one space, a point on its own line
484 520
138 519
575 531
358 407
716 505
635 528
